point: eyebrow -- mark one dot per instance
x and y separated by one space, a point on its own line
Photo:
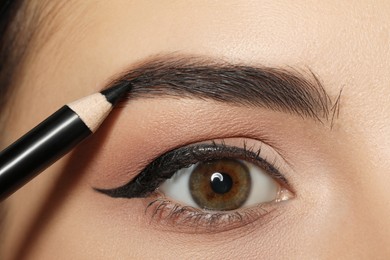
279 89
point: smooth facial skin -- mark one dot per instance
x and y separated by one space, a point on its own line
340 176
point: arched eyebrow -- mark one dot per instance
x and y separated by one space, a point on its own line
286 90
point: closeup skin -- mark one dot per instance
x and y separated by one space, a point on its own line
340 173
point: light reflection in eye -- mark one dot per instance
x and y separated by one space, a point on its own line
221 185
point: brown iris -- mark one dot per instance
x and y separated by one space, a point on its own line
220 184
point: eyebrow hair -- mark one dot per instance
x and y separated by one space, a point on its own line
279 89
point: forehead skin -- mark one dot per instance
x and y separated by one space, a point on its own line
346 44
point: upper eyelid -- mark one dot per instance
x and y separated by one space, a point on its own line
140 186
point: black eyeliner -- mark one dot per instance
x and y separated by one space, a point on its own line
165 166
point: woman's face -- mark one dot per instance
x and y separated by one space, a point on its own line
337 168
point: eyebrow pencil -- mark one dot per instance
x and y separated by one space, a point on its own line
55 137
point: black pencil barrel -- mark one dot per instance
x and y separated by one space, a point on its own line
39 148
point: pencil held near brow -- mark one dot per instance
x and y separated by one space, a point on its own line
54 137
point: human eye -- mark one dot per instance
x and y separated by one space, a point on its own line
213 186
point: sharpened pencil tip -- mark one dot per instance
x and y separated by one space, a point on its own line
115 93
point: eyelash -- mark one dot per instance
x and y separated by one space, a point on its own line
168 213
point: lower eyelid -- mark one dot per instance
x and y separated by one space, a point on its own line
167 215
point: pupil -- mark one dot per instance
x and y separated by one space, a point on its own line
221 182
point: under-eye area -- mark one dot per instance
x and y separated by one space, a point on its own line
209 186
169 215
